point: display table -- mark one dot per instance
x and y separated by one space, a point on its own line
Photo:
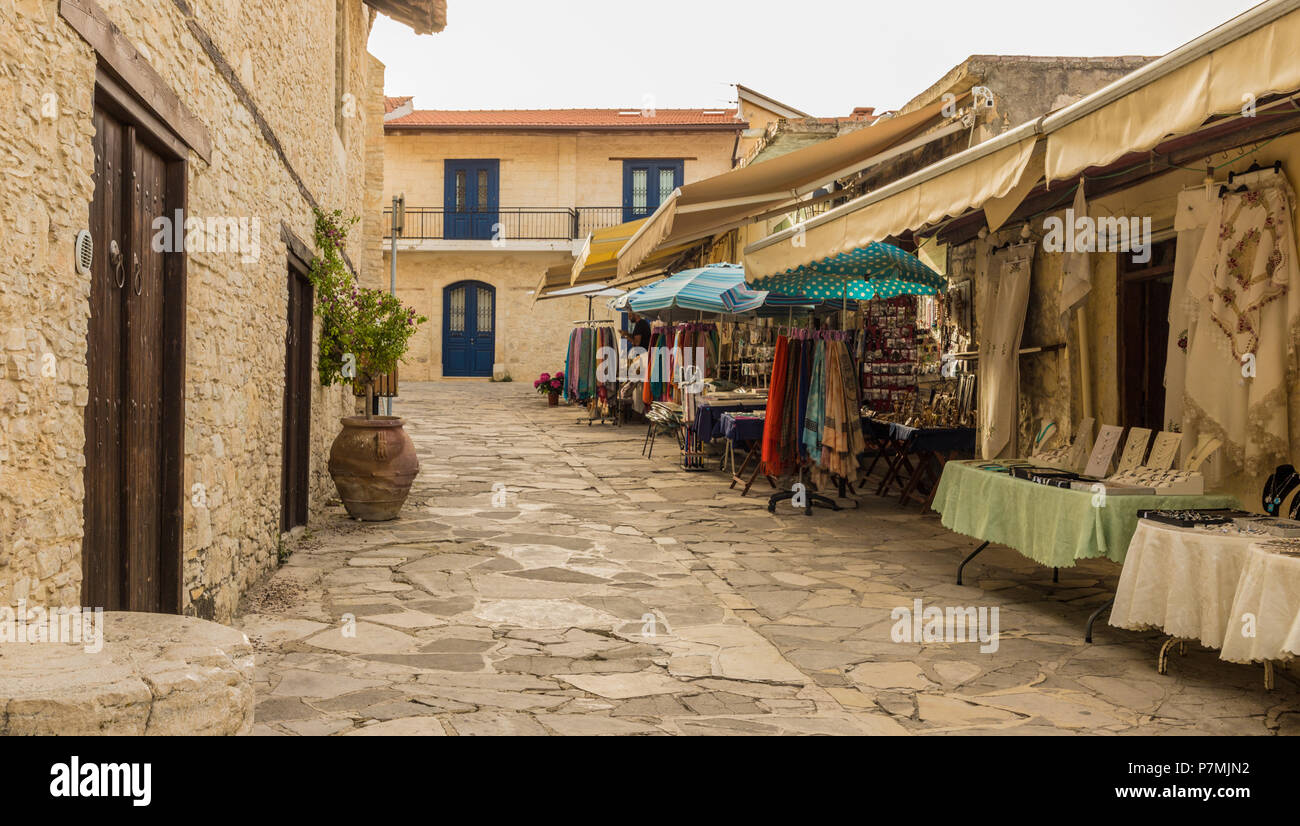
1235 593
709 412
745 430
1052 526
916 455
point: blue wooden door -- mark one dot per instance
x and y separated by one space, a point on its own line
468 329
470 199
647 183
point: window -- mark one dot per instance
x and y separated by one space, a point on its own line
646 183
457 319
485 314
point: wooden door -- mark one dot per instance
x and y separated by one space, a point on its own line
470 199
131 543
295 474
468 329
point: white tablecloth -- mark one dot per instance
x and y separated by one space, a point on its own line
1213 587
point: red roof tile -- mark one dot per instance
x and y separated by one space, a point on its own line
395 103
630 119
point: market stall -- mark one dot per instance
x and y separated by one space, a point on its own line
1232 587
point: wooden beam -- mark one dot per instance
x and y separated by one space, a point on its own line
122 59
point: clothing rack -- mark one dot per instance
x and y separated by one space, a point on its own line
615 411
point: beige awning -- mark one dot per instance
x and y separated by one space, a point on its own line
1219 73
945 189
713 205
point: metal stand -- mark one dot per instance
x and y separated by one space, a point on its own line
812 498
973 554
1087 632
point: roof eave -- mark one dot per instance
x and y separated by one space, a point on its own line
422 16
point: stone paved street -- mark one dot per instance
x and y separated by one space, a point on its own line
546 579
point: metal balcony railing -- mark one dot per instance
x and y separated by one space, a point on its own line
504 223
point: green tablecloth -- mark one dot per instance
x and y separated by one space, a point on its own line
1052 526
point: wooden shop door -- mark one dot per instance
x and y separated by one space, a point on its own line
134 416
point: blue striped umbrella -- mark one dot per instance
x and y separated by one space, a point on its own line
877 270
718 288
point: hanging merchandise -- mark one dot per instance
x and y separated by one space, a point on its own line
813 420
999 363
588 373
1241 357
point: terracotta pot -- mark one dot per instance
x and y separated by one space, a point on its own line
553 399
373 464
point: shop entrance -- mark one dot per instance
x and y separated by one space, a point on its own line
1143 326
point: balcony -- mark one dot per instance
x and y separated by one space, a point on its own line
508 224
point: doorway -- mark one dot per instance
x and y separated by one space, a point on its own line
295 471
1144 293
468 329
470 199
135 357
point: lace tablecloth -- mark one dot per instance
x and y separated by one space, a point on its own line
1232 592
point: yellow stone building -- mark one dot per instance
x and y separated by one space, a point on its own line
494 198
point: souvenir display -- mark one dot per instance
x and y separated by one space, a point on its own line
889 354
1135 448
1103 452
1164 450
1274 527
1194 518
1113 488
1164 482
1279 487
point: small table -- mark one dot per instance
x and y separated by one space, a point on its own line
1052 526
1232 592
709 412
746 429
931 448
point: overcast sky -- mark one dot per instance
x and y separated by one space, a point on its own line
821 56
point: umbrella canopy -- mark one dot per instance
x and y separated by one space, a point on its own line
719 288
877 270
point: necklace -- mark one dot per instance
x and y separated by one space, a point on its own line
1276 490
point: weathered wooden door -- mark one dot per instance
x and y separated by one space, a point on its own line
130 548
295 473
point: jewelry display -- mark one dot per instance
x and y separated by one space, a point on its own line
1135 448
1278 487
1104 451
1164 450
1164 482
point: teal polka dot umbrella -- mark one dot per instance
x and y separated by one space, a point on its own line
877 270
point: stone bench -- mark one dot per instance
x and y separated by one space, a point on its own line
156 674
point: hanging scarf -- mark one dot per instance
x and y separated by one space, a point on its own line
812 423
775 404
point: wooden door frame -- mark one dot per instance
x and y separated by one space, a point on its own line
298 265
112 96
1127 273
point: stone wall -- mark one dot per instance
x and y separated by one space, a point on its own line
282 59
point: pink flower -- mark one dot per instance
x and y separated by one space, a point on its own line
545 377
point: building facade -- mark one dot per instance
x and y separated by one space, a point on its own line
161 423
495 198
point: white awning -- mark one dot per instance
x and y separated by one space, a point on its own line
713 205
1221 72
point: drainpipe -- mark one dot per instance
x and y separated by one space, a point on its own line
399 221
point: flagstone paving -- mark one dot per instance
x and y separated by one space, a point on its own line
544 578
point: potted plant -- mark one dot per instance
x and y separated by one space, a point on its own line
364 333
550 386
